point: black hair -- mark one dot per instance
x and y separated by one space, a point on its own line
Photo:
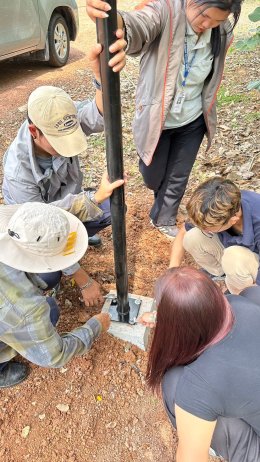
31 122
234 6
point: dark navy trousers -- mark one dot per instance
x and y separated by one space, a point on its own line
169 171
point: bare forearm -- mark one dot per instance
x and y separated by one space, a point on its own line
99 100
80 277
177 251
183 456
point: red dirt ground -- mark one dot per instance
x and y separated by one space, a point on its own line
110 414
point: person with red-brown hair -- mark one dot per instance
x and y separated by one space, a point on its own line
205 359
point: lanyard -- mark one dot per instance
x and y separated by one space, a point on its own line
187 64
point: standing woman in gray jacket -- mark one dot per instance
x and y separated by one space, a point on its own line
182 47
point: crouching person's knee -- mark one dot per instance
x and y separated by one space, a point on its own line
240 266
239 260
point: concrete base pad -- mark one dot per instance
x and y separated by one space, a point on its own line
136 334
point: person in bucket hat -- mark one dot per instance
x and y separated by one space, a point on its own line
37 238
42 162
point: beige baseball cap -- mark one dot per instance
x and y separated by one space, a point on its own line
52 111
40 238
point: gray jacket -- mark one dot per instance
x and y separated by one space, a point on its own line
157 32
24 181
60 185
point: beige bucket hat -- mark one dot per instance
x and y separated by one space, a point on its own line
40 238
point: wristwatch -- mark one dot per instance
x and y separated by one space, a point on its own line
97 84
92 198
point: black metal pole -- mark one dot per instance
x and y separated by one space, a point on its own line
110 80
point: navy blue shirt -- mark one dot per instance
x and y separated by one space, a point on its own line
250 238
250 203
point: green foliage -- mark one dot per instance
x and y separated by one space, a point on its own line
224 97
251 43
252 116
255 16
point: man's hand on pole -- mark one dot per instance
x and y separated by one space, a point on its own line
106 188
117 62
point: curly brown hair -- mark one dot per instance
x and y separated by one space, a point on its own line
214 202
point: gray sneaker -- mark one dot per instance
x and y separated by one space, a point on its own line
169 231
94 241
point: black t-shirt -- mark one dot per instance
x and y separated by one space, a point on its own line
225 379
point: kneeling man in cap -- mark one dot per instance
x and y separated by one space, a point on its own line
43 162
38 238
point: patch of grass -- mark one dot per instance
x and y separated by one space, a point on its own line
252 116
97 140
198 173
224 97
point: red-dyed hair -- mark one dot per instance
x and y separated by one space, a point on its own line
192 311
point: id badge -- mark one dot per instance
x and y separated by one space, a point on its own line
178 102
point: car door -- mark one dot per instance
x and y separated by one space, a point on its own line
19 26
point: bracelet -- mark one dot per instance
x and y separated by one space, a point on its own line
92 198
97 84
88 284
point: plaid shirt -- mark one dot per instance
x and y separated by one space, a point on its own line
25 325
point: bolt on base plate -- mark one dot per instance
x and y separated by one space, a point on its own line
137 333
131 316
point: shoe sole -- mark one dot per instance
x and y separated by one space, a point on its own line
171 238
95 245
161 232
14 384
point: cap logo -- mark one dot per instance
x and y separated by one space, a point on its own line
67 122
70 245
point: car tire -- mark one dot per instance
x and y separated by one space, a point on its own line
59 41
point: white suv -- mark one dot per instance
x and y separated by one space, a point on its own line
43 28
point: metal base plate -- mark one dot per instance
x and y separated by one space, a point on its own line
131 316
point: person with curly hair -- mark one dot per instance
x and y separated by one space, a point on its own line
225 238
